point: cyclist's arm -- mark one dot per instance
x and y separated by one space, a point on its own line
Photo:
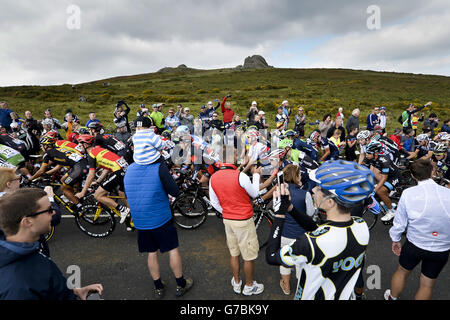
87 184
41 171
54 170
325 154
362 156
380 183
428 156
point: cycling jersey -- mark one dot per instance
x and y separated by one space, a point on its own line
113 144
61 156
330 258
423 151
303 160
11 156
99 157
306 148
386 167
390 148
324 144
16 144
66 144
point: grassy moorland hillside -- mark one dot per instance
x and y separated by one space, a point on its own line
319 91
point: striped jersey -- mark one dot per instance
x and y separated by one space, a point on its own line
146 147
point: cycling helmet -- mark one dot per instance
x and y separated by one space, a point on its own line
83 130
86 138
253 132
314 135
289 133
439 148
47 122
166 134
285 143
52 134
374 147
183 130
95 126
365 134
47 140
348 182
422 137
446 137
73 137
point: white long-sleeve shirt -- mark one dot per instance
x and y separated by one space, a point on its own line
424 211
251 188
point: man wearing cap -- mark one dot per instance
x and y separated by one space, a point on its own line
210 107
300 121
122 134
172 121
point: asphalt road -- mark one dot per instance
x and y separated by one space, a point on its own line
116 263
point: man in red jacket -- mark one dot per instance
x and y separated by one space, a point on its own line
228 113
230 192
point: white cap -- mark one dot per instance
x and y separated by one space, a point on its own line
261 112
209 102
285 101
14 125
254 102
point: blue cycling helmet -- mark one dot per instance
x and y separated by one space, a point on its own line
348 182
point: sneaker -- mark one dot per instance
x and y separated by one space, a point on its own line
159 293
257 288
387 295
124 211
181 291
388 216
237 287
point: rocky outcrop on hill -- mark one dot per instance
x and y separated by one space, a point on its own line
255 62
180 68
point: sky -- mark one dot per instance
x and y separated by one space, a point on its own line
51 42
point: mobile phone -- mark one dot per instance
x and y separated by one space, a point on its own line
93 295
280 179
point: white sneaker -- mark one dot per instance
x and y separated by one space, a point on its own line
257 288
236 286
388 216
124 213
387 295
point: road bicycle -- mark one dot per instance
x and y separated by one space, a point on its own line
93 219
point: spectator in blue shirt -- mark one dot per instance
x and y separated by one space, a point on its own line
5 115
172 121
373 119
92 118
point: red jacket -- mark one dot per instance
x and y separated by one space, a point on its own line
397 140
228 114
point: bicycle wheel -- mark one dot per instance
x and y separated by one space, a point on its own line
96 221
370 218
49 234
263 225
188 211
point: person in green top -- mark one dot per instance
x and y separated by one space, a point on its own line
296 156
406 117
158 117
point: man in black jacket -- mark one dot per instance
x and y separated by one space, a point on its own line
25 273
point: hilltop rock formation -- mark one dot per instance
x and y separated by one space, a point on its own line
180 68
255 62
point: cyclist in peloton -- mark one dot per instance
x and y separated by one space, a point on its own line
329 150
300 145
441 161
386 173
390 148
329 255
423 149
99 157
108 141
257 150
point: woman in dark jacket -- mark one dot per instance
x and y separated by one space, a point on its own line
302 201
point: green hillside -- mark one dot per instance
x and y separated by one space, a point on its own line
319 91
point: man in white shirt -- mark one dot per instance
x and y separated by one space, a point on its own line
424 212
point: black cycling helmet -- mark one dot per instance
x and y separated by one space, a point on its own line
97 127
374 146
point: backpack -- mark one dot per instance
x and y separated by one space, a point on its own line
400 119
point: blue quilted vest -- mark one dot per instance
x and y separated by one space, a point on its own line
149 202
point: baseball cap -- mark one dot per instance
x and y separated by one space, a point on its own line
254 102
203 107
261 112
143 122
285 101
187 109
383 108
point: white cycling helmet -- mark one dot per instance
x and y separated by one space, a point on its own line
446 137
183 130
47 122
422 137
365 134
